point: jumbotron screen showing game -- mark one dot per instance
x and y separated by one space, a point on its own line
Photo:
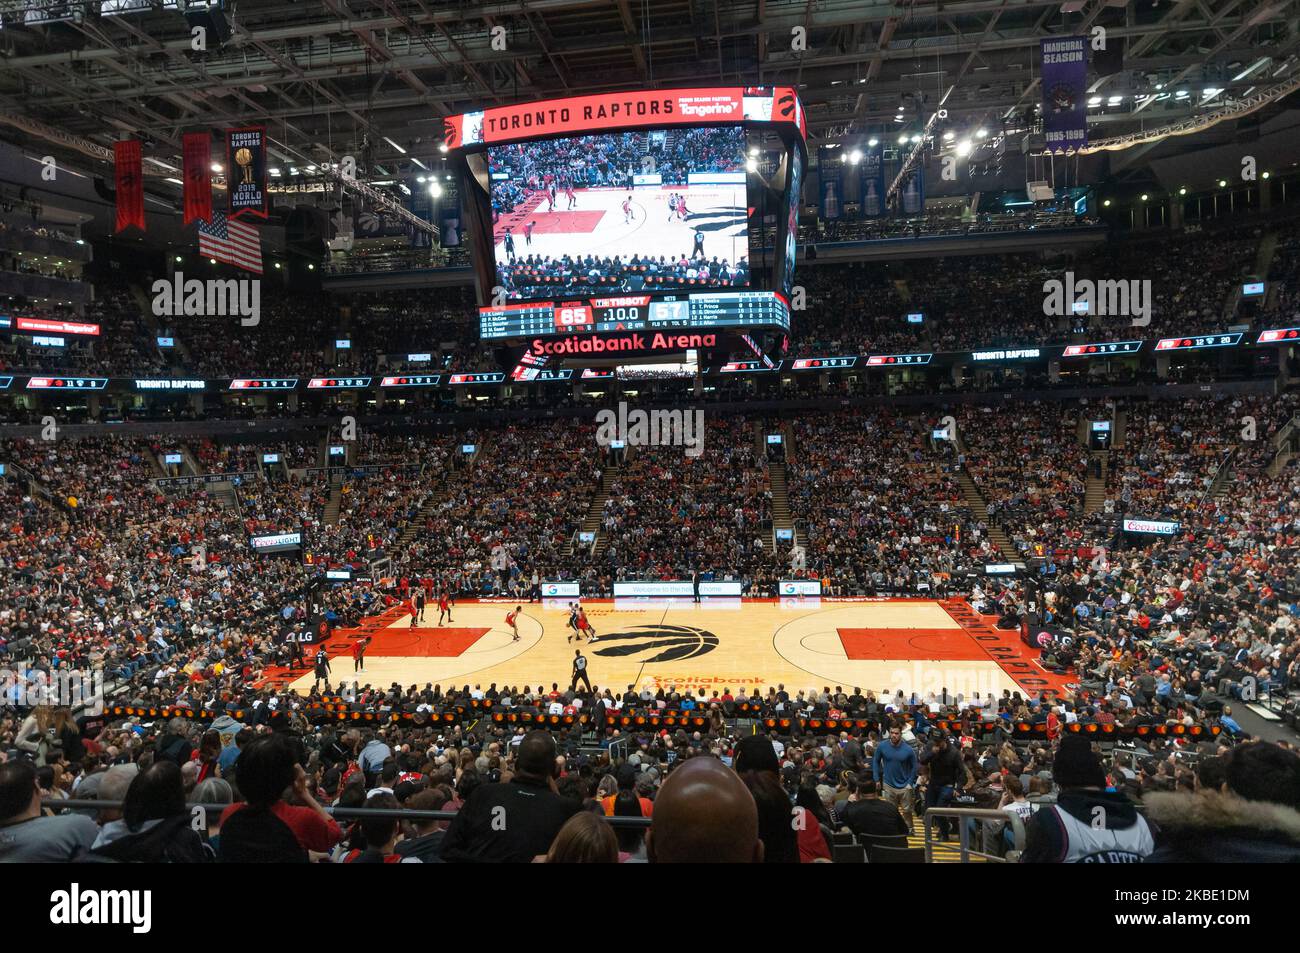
658 210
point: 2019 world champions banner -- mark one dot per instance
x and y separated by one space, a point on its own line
246 171
1065 82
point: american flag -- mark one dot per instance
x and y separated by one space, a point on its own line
235 243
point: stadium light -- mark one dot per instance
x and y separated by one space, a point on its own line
1183 190
435 189
873 142
442 147
178 258
212 261
964 147
856 156
311 267
1266 175
277 266
751 165
216 167
902 140
1106 203
1144 196
916 138
1223 183
981 133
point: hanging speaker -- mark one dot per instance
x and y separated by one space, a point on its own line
1109 61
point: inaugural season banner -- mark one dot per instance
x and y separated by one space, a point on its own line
871 177
830 173
197 155
129 174
1065 80
246 171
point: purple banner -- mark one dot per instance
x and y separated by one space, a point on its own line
1065 81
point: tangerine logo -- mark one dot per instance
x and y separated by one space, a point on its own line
668 643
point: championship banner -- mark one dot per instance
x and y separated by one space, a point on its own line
871 179
1065 80
197 153
130 184
246 171
829 175
420 204
911 196
449 219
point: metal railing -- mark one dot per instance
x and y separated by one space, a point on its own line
201 811
962 814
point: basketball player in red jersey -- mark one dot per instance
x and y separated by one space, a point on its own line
511 617
568 191
681 207
528 233
627 210
584 625
444 608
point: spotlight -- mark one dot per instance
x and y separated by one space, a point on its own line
963 148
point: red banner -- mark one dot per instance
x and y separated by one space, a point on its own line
197 152
130 184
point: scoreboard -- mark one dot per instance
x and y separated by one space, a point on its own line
704 310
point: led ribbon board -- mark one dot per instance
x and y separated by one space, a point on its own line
1199 342
411 380
263 383
890 360
1102 349
695 106
67 383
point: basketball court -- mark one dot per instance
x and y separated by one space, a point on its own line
596 224
921 646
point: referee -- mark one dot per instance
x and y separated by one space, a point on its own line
580 671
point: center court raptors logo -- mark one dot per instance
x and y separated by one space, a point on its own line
668 643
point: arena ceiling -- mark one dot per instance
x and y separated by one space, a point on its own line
374 77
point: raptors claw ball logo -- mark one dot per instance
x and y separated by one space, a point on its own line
668 643
449 134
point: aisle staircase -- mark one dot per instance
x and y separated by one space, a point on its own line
333 505
782 518
595 510
461 472
1094 494
979 508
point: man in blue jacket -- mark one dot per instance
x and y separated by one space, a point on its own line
894 767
